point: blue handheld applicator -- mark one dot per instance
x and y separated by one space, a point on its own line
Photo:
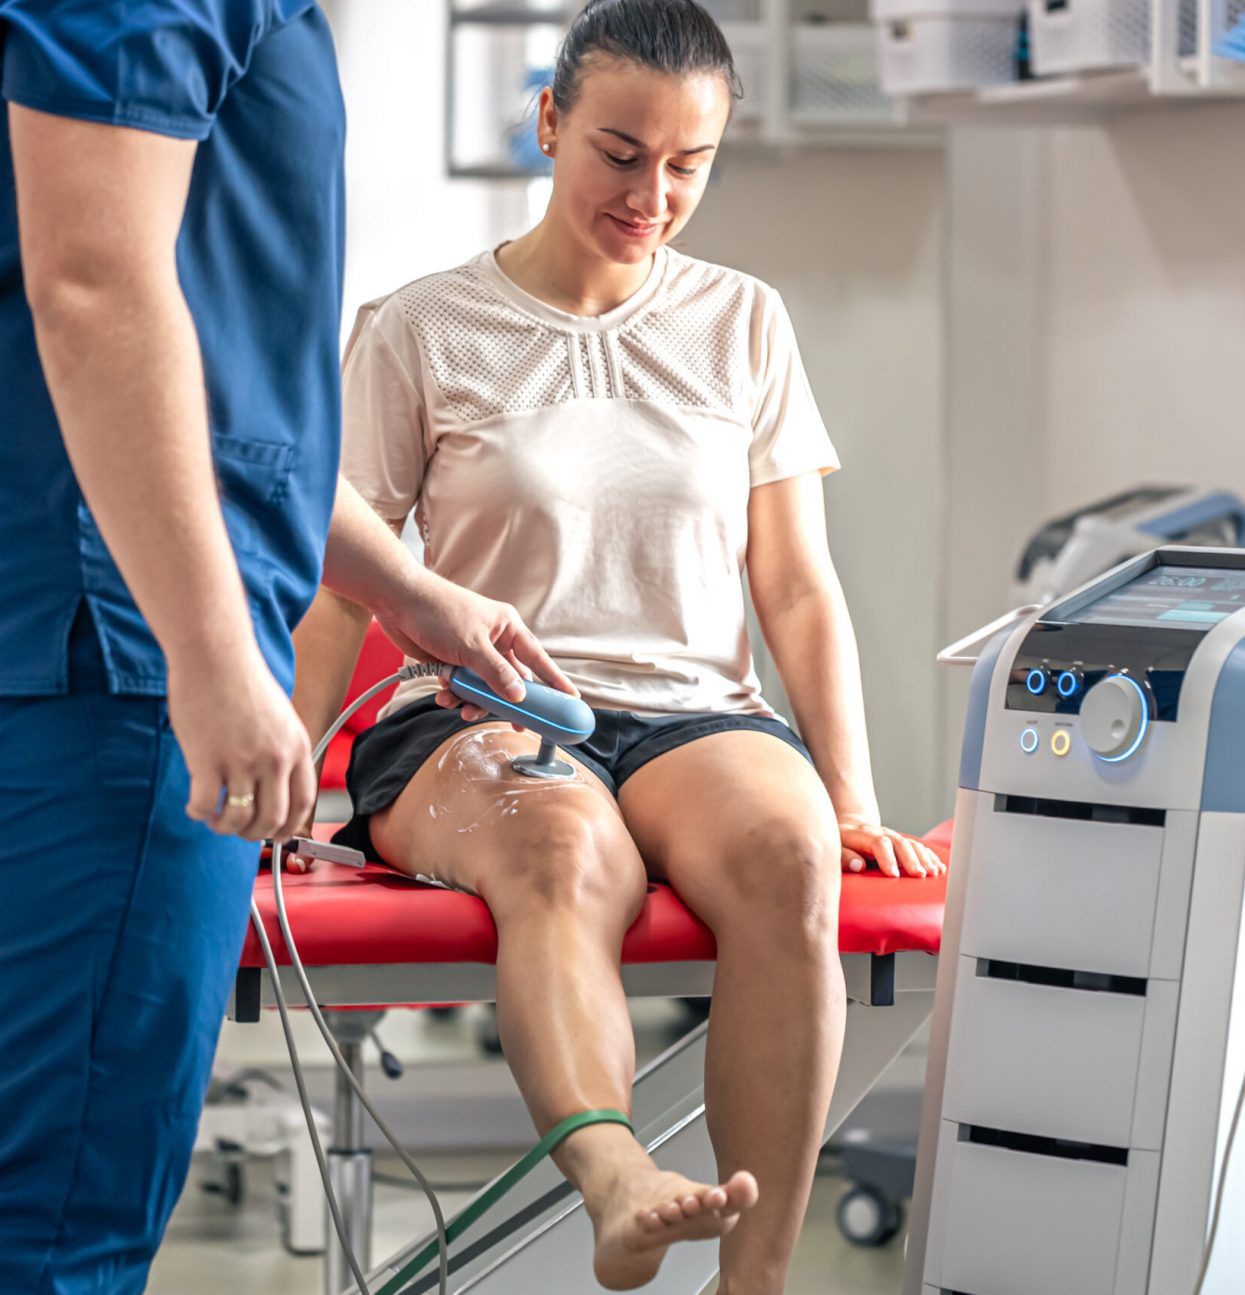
557 718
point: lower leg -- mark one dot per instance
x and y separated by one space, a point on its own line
775 1039
561 1010
564 1024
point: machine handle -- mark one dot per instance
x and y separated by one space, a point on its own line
1208 508
952 654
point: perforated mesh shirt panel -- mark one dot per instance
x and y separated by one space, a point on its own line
687 347
485 357
692 350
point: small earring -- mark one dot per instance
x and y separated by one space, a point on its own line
547 147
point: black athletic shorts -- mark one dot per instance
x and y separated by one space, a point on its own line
387 755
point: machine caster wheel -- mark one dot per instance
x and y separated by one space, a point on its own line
867 1218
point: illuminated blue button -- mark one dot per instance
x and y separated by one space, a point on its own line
1069 683
1035 681
1028 740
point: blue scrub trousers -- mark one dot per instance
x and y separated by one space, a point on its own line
121 923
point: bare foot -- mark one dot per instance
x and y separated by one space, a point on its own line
648 1211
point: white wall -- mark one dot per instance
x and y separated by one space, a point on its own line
853 241
404 217
1146 331
993 416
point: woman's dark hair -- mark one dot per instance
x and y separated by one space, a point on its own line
674 36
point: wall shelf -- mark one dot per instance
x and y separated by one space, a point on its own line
1071 100
1085 99
1169 77
808 83
508 13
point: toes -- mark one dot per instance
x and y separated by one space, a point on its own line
741 1191
670 1211
701 1212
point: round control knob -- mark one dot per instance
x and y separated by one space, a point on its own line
1115 716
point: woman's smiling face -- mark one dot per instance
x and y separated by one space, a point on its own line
633 155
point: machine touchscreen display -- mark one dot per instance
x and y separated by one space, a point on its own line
1182 597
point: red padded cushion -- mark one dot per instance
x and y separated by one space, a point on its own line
377 659
940 836
377 916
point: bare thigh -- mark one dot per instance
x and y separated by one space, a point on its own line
734 821
467 819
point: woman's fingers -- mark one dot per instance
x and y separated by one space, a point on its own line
933 864
853 862
896 854
884 853
909 856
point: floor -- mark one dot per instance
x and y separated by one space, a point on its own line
211 1247
468 1099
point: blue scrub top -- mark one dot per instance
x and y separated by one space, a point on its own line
260 257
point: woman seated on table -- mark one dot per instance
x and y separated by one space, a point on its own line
606 433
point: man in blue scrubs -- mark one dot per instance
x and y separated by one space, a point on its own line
170 275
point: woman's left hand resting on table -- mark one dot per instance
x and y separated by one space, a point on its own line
897 855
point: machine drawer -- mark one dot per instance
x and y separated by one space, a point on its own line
1060 1062
1062 893
1008 1222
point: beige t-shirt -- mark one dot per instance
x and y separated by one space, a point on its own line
593 472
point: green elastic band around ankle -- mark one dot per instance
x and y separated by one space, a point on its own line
486 1200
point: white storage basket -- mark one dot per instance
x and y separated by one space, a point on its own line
929 55
934 46
1084 35
1081 35
835 75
